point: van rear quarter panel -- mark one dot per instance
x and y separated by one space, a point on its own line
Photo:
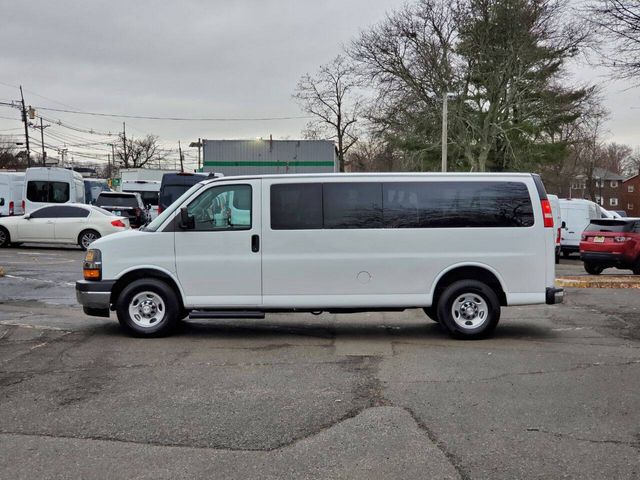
397 267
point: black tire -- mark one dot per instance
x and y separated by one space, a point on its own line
5 238
86 237
593 269
636 267
557 258
432 313
484 305
148 290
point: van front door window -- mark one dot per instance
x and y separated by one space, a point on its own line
225 207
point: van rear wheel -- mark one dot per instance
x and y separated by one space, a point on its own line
469 309
148 308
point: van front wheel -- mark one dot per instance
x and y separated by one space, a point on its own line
469 309
148 308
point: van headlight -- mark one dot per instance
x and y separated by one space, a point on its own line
92 266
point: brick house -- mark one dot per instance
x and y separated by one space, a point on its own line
631 196
608 188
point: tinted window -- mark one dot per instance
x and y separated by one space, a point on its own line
352 205
47 192
225 207
148 198
170 193
611 226
72 212
117 201
47 212
296 206
456 205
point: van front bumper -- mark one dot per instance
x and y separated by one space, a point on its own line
95 296
554 295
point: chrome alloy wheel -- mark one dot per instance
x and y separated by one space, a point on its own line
469 311
147 309
88 238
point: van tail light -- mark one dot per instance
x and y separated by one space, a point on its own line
558 236
23 207
10 208
547 214
118 223
159 209
621 239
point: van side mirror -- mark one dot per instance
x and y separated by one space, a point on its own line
563 225
187 222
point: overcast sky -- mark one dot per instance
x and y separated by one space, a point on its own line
193 58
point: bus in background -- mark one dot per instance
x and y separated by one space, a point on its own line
48 185
92 188
148 190
173 185
11 187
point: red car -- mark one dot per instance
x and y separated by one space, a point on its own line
611 242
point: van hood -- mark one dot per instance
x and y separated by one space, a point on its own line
118 237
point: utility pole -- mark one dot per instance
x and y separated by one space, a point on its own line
124 144
199 147
113 157
42 127
444 131
26 128
181 160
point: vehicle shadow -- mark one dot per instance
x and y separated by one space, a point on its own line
331 328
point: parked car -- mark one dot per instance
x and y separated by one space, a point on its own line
72 223
51 185
576 215
460 246
11 188
557 224
128 205
175 184
148 190
611 243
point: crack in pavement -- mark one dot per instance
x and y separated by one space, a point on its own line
634 443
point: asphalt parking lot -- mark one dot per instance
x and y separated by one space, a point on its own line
383 395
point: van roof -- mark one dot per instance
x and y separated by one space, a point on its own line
377 175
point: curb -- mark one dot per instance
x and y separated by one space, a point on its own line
592 281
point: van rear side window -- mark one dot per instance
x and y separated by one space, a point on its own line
400 205
47 192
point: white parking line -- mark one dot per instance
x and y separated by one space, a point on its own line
67 284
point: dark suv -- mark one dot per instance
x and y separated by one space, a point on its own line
611 243
126 205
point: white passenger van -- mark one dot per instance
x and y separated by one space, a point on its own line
576 213
459 246
50 185
11 186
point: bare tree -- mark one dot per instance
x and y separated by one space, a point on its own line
331 97
618 22
10 157
140 151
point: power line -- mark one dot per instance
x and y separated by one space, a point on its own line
180 119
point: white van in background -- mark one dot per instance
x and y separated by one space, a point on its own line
576 216
11 187
557 223
48 185
459 246
149 191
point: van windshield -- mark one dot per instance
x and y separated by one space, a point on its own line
160 219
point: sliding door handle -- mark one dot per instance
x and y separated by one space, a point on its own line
255 243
